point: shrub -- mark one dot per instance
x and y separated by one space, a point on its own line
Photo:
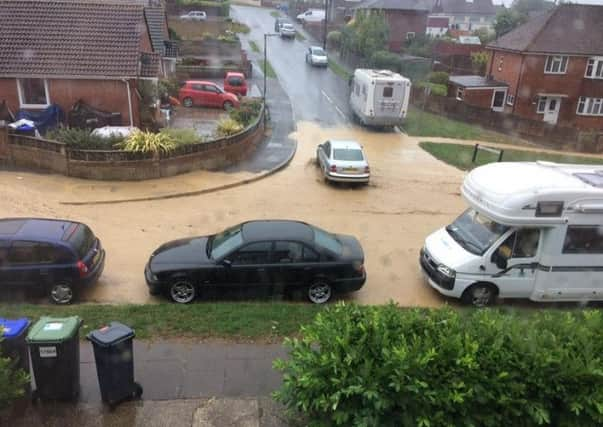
183 136
386 366
438 77
386 60
149 142
169 86
436 89
334 39
82 139
12 381
247 112
227 127
237 27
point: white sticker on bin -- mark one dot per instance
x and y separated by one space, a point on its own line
46 352
53 326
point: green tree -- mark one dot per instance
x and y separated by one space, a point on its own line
505 21
479 61
366 34
485 35
421 45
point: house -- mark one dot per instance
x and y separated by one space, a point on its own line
553 66
478 91
467 15
437 26
406 19
62 51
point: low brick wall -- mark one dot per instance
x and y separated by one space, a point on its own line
40 154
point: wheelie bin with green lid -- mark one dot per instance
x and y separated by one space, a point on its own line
55 357
114 357
13 343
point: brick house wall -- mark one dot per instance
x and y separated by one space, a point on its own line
526 78
476 97
401 22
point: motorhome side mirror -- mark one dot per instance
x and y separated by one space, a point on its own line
501 262
226 262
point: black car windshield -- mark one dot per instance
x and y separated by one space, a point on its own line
475 232
318 51
348 154
226 241
327 240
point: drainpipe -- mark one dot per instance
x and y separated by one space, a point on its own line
127 82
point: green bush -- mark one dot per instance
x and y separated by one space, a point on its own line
438 77
169 86
82 139
228 127
183 136
247 112
386 366
334 39
148 142
385 60
12 381
436 89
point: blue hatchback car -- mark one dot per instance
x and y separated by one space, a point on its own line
55 257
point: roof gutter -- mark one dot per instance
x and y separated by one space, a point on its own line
127 82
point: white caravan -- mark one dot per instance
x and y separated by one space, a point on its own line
379 97
533 230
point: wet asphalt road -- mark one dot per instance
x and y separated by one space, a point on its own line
317 94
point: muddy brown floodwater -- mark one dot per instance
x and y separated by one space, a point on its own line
410 195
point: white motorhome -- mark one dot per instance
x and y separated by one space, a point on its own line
532 230
379 97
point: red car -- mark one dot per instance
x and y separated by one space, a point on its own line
235 83
206 94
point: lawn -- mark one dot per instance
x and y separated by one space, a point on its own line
300 37
421 123
275 14
460 156
339 70
254 46
267 69
252 320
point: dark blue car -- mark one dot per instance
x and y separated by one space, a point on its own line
55 257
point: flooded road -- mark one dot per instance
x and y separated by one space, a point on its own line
410 195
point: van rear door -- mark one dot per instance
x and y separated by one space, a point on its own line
388 99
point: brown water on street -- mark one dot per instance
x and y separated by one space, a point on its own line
410 195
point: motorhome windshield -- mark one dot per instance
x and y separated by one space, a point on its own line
475 232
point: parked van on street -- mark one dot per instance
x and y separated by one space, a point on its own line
532 230
311 15
379 97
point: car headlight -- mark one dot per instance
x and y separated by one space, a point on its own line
446 271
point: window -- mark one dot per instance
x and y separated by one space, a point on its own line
310 255
81 237
388 92
510 100
33 92
590 106
541 105
594 68
555 64
23 252
287 252
327 240
410 35
348 154
460 93
254 253
581 239
521 244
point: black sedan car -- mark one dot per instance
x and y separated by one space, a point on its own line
273 255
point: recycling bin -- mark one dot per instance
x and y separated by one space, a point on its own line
13 341
55 357
114 356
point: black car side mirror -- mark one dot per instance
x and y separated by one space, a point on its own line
226 262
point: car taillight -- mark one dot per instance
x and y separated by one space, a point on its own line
367 169
359 267
333 168
82 268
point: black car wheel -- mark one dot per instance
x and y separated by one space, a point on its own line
319 291
228 105
187 102
480 295
182 291
61 293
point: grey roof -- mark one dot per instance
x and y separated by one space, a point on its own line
277 230
419 5
567 29
475 82
475 7
156 22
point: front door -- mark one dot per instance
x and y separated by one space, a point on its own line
498 100
551 110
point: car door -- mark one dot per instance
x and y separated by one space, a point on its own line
211 95
5 277
22 267
287 257
197 94
247 270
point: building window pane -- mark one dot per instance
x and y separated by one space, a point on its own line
589 67
460 93
556 64
599 72
541 104
581 103
33 92
510 99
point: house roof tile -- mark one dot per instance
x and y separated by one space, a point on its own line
567 29
69 38
156 23
419 5
475 7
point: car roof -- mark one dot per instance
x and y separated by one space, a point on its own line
345 143
234 74
200 82
33 228
277 230
316 47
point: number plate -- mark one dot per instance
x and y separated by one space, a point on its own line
349 169
48 352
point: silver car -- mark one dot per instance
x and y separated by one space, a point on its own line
194 15
315 55
343 161
287 30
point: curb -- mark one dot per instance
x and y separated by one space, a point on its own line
258 177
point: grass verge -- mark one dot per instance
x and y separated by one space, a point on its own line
249 320
300 37
267 69
254 46
275 14
339 70
460 156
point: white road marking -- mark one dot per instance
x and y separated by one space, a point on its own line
326 96
341 113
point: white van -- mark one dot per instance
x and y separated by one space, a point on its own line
379 97
311 15
532 230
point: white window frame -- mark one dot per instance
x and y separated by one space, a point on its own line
20 93
502 107
587 103
410 35
597 61
460 93
543 100
563 60
510 99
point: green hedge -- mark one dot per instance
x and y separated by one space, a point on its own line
12 380
436 89
384 366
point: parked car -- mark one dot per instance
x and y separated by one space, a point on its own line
343 161
56 257
270 255
311 15
317 56
277 24
287 30
235 83
194 15
206 94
